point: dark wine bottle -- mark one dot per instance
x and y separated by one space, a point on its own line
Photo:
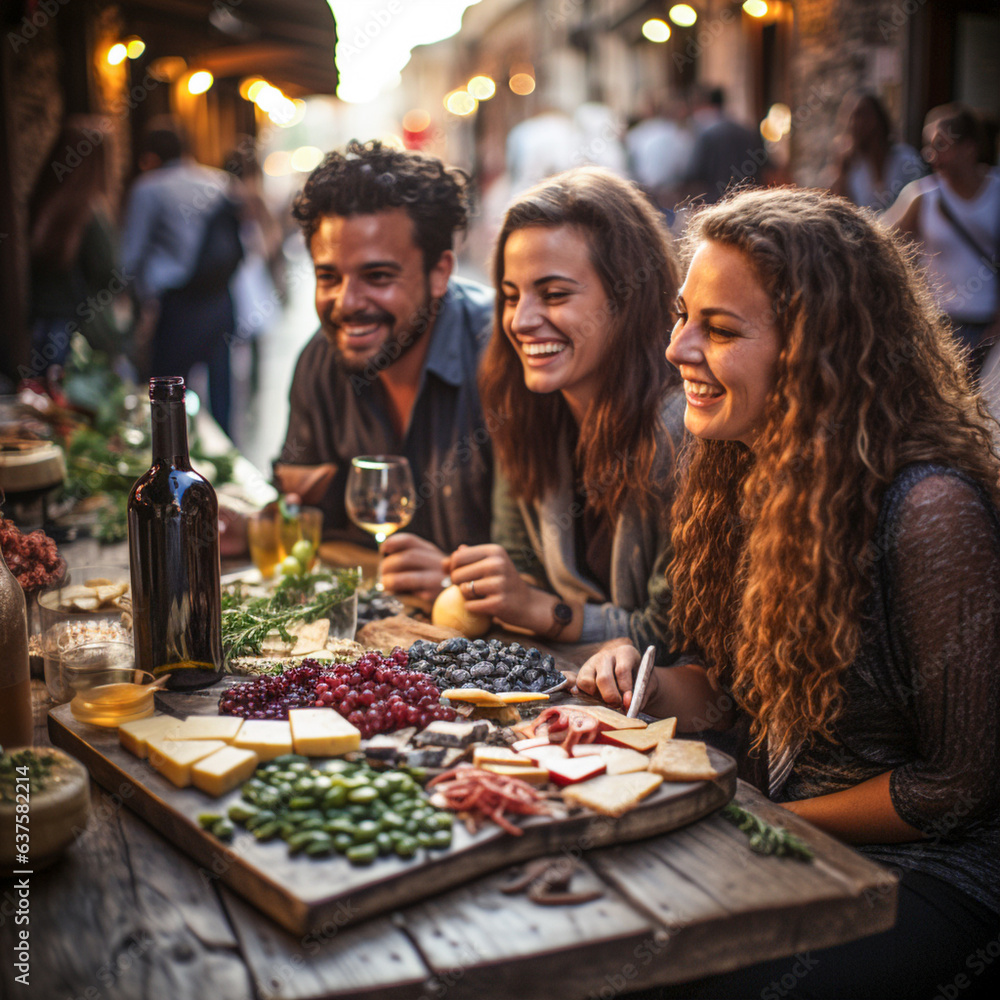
173 541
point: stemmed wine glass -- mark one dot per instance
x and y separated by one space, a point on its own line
380 498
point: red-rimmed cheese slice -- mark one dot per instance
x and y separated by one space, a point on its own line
530 743
573 769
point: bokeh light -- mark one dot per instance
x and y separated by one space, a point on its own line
755 8
522 84
482 88
134 47
683 15
460 102
200 81
656 30
416 120
117 54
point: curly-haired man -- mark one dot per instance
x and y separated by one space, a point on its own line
393 368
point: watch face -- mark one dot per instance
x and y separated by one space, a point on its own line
563 613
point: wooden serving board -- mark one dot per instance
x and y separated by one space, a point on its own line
303 894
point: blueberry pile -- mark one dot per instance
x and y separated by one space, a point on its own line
373 606
487 664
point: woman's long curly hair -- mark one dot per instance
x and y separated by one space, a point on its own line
774 546
632 253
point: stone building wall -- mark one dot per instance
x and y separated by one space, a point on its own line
842 46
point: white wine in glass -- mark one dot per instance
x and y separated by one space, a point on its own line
380 497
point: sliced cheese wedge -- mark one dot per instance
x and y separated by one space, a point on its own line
533 775
573 769
224 770
322 732
135 736
268 738
613 794
173 758
516 697
617 760
642 740
474 696
208 727
498 755
682 760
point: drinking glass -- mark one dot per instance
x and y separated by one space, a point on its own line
380 498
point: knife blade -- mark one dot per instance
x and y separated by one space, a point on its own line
641 680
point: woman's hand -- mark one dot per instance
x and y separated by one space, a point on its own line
412 565
609 674
492 586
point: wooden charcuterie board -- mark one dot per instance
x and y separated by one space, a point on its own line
304 894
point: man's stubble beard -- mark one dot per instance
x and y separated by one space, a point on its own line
418 325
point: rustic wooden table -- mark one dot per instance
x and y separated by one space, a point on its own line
125 915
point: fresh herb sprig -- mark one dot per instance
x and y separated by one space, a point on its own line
765 838
296 598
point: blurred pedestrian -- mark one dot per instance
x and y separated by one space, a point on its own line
955 217
259 285
181 241
726 153
660 147
74 274
871 169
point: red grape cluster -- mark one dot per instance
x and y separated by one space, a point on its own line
377 694
32 558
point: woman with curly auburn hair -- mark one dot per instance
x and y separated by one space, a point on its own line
585 416
837 566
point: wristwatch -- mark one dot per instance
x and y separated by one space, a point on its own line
562 615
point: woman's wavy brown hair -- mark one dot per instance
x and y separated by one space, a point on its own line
632 253
774 547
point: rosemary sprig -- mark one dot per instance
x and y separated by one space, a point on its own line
245 626
765 838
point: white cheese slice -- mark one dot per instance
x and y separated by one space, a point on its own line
208 727
135 736
322 732
223 770
268 738
173 758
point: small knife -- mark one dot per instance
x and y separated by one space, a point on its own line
641 680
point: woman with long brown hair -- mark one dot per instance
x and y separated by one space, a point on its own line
837 566
585 417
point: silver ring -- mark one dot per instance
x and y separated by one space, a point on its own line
472 590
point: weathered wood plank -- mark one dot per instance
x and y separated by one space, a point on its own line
722 903
375 959
481 942
124 916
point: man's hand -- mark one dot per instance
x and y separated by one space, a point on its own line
412 565
309 482
610 672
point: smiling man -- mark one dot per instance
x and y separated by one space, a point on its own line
392 369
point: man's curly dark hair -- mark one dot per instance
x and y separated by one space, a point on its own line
370 177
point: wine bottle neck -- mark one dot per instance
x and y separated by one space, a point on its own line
170 442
